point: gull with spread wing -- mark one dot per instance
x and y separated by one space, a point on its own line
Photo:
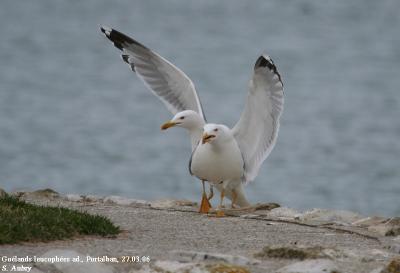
227 158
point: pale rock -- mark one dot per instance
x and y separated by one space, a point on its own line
169 203
310 266
177 267
48 193
250 216
284 213
365 255
333 253
18 193
377 270
379 254
45 193
196 257
2 193
73 197
186 203
355 254
35 270
141 202
394 245
93 198
325 216
145 269
123 201
170 266
395 248
71 267
83 198
265 207
369 221
389 227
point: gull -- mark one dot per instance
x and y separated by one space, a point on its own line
226 158
174 89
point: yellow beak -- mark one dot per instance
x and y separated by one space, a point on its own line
206 138
168 124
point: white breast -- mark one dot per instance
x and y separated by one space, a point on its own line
216 164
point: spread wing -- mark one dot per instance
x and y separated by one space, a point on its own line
257 129
165 80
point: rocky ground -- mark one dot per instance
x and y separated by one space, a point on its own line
170 236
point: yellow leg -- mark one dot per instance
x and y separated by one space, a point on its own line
205 204
234 198
220 213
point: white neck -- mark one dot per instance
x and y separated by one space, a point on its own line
222 142
195 135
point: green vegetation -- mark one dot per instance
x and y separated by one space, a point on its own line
20 221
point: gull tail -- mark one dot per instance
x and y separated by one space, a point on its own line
241 199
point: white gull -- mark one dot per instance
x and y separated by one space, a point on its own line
227 158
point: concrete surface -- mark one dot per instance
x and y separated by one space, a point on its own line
172 232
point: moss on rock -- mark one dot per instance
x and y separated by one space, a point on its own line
226 268
291 253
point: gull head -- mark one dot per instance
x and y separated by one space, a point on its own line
187 119
214 133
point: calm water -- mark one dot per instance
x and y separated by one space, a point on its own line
74 118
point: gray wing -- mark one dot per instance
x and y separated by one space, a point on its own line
257 129
165 80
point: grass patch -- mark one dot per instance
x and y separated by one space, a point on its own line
20 221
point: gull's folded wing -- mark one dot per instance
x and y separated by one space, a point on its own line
165 80
257 129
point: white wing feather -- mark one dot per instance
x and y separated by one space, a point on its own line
166 81
257 129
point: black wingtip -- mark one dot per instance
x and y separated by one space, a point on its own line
119 39
266 61
106 30
125 58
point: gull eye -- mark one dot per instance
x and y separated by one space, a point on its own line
182 117
216 130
